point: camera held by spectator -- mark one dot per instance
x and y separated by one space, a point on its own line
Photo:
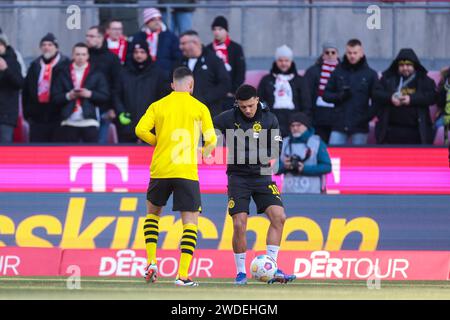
304 159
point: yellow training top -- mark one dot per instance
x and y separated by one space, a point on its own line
178 120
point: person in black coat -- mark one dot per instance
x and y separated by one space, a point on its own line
231 54
109 64
350 88
142 83
38 109
212 81
163 44
403 96
284 90
11 81
77 91
317 77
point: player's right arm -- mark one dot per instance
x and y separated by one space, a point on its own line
145 125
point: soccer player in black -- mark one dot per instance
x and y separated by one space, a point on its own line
252 137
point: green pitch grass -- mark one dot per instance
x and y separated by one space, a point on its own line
216 289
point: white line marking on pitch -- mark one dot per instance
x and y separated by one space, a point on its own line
303 283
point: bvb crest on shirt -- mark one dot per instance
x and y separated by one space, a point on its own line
256 129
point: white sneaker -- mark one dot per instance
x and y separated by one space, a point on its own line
185 283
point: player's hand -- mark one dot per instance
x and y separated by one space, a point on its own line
405 100
3 64
301 166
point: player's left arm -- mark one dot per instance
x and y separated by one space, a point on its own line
209 134
146 125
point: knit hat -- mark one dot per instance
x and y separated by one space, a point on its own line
50 37
329 44
300 117
151 13
140 44
284 52
220 21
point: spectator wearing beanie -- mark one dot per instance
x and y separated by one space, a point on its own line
317 77
304 158
231 54
284 90
11 81
141 84
163 44
38 109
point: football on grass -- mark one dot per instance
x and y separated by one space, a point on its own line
263 268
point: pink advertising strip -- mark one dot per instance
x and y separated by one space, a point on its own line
16 261
209 263
126 169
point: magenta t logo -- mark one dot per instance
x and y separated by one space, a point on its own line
98 170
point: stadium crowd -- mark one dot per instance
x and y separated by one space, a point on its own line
112 79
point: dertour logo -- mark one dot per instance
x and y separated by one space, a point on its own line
321 265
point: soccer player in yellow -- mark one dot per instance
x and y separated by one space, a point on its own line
174 124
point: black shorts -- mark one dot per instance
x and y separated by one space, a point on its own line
186 193
263 190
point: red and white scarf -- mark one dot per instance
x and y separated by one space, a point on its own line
45 79
328 67
118 47
221 50
152 40
78 82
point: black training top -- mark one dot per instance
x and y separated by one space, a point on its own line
251 143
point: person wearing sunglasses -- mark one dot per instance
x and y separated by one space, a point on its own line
403 97
317 77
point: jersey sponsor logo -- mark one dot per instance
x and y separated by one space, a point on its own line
231 204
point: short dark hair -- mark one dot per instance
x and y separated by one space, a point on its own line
100 29
182 72
354 43
245 92
80 45
189 33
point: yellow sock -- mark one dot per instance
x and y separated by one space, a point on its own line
151 236
187 246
